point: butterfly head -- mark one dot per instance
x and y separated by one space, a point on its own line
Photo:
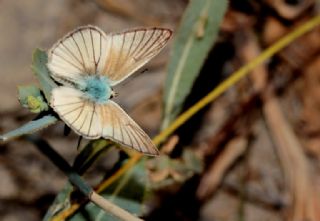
113 94
97 88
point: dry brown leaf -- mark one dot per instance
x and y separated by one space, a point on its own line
259 75
290 11
311 98
304 194
213 177
235 21
302 50
171 143
273 30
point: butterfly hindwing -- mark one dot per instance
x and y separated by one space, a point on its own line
119 127
78 113
92 120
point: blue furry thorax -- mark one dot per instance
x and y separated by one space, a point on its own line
97 88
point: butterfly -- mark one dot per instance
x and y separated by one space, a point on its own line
87 63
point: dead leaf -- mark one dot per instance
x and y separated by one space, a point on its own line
214 176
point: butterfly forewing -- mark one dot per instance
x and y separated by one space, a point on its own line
88 50
128 51
78 113
119 127
80 52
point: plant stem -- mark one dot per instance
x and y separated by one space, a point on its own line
112 208
78 182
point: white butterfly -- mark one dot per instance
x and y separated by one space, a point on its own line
87 63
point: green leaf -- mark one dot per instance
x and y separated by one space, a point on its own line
90 153
39 67
60 203
194 39
30 127
30 97
128 192
192 161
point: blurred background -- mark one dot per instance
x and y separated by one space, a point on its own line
258 145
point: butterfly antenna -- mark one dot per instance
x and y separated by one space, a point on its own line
79 142
144 70
114 94
135 75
